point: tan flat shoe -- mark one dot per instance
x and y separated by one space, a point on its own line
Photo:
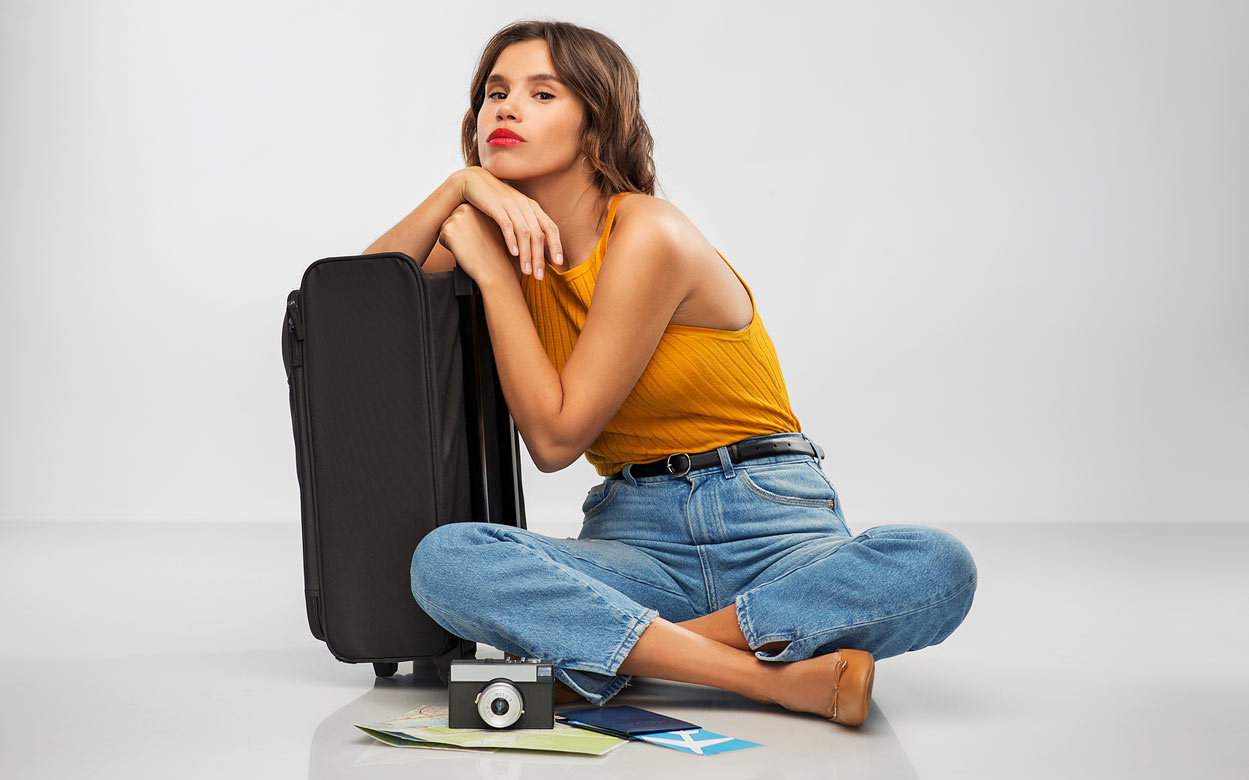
853 674
562 693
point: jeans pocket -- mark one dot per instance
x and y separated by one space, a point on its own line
792 484
832 488
598 497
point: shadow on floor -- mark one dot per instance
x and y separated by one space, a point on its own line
793 745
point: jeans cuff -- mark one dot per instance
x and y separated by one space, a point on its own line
598 688
594 687
755 640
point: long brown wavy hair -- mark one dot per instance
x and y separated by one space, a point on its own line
614 137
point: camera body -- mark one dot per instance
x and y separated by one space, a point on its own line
501 693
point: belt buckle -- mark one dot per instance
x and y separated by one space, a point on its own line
687 463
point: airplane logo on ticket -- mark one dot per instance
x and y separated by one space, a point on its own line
697 741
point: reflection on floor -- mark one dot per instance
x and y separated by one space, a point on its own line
181 650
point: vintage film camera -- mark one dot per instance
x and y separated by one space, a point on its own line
501 693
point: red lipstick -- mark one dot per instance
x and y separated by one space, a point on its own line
504 137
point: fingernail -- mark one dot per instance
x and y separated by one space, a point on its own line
513 249
538 273
559 259
527 267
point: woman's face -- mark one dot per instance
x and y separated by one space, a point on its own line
542 111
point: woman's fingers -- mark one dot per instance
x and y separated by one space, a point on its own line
530 234
520 236
554 248
537 237
509 234
545 241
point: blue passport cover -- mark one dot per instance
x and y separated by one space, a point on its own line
626 721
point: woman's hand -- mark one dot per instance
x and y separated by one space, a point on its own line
522 222
478 247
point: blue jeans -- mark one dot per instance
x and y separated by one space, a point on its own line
766 535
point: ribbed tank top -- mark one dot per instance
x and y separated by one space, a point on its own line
703 387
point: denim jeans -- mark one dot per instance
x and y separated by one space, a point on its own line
766 535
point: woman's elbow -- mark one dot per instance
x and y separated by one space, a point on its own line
554 461
546 457
557 457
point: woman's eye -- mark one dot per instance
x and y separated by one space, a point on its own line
492 94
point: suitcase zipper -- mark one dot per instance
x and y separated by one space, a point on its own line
296 323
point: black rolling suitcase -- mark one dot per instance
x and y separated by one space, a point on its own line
400 426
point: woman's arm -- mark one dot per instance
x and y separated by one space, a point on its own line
642 280
416 234
521 222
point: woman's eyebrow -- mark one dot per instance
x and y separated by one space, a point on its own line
495 78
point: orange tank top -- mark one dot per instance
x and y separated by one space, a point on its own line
703 387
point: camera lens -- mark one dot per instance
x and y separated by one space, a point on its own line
500 704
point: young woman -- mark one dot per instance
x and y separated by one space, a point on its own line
715 550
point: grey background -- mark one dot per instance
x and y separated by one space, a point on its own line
1000 246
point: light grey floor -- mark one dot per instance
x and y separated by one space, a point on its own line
181 650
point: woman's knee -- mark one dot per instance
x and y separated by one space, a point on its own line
952 576
934 557
951 556
942 576
435 562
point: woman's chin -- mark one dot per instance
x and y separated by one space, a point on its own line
515 175
507 173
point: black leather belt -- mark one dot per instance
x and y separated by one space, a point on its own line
680 463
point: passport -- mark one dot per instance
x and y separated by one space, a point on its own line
624 721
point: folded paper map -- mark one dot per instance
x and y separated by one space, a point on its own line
426 727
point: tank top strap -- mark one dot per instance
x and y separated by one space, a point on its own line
611 213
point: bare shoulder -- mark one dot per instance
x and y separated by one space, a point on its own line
714 297
646 214
649 211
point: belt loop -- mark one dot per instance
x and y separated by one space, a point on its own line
725 464
627 474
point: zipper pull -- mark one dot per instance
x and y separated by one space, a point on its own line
295 323
296 319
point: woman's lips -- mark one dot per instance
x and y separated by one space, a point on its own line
504 140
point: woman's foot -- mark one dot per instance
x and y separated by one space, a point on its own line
562 693
837 686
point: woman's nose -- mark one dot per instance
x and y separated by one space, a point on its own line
505 110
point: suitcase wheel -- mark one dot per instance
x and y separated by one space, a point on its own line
385 669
